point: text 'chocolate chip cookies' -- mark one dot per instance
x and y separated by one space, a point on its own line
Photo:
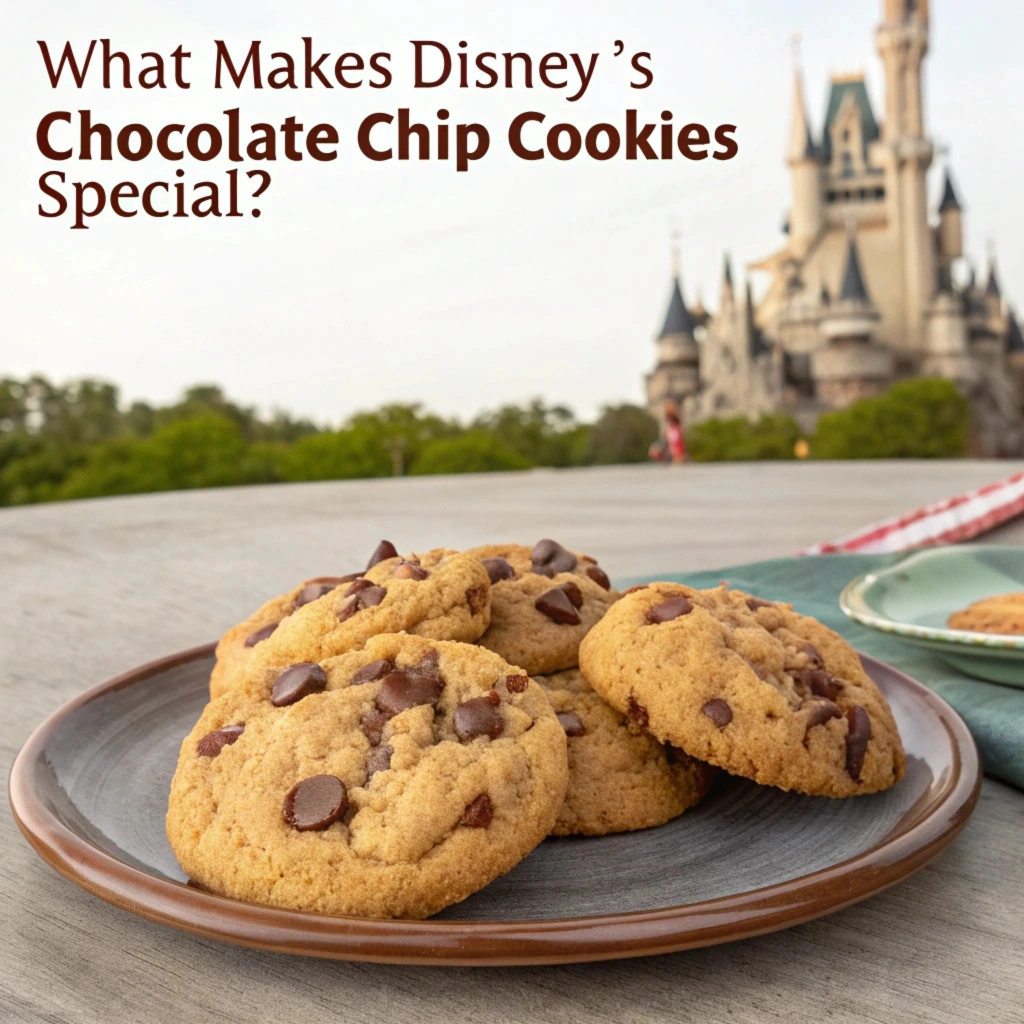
544 600
417 773
747 685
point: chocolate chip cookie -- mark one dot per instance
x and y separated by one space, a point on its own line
441 594
544 600
747 685
620 777
387 782
234 650
1002 614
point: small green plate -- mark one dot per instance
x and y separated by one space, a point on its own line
914 598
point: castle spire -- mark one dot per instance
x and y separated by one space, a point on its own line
801 146
949 200
727 296
677 318
992 289
852 287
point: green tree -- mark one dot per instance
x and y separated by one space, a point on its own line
544 435
403 431
622 433
33 468
916 419
475 451
335 455
205 451
772 436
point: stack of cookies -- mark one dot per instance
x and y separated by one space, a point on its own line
385 743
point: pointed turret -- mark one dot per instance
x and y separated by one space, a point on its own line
807 213
852 288
801 146
727 296
1014 337
949 200
992 289
950 232
677 317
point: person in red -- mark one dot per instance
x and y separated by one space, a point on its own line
675 436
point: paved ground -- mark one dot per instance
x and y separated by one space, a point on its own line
87 589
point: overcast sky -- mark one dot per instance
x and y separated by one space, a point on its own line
364 282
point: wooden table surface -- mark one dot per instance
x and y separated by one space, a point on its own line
88 589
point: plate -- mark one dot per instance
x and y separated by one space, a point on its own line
89 791
913 599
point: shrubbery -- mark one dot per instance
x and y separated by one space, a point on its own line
738 439
76 441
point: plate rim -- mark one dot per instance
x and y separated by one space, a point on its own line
854 606
490 943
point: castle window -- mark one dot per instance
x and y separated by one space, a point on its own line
847 164
879 193
831 196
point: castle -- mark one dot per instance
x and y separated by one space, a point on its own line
864 291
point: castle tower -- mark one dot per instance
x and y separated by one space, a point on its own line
851 366
806 214
902 41
676 375
950 232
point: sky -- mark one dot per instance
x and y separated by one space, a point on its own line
370 282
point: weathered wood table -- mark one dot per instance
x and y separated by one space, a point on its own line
89 589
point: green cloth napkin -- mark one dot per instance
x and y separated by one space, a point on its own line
993 713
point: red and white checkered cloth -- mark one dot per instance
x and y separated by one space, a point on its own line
948 521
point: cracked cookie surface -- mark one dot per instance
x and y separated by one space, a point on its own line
748 685
440 595
391 781
620 777
544 600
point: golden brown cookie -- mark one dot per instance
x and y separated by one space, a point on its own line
544 600
1001 614
387 782
620 777
441 594
748 685
234 650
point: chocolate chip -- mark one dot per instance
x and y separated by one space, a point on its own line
315 803
428 666
410 571
479 717
312 592
366 597
550 558
296 682
378 761
401 690
516 684
670 609
374 671
498 569
637 712
260 635
813 654
753 603
718 711
599 576
349 577
573 592
557 606
214 742
820 711
373 725
359 583
857 740
477 597
479 813
384 550
818 681
571 723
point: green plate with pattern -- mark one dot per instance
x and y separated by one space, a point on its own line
914 598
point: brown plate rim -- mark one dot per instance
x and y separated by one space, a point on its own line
494 943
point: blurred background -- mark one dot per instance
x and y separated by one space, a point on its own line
843 288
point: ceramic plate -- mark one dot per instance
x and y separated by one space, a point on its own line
89 791
914 598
